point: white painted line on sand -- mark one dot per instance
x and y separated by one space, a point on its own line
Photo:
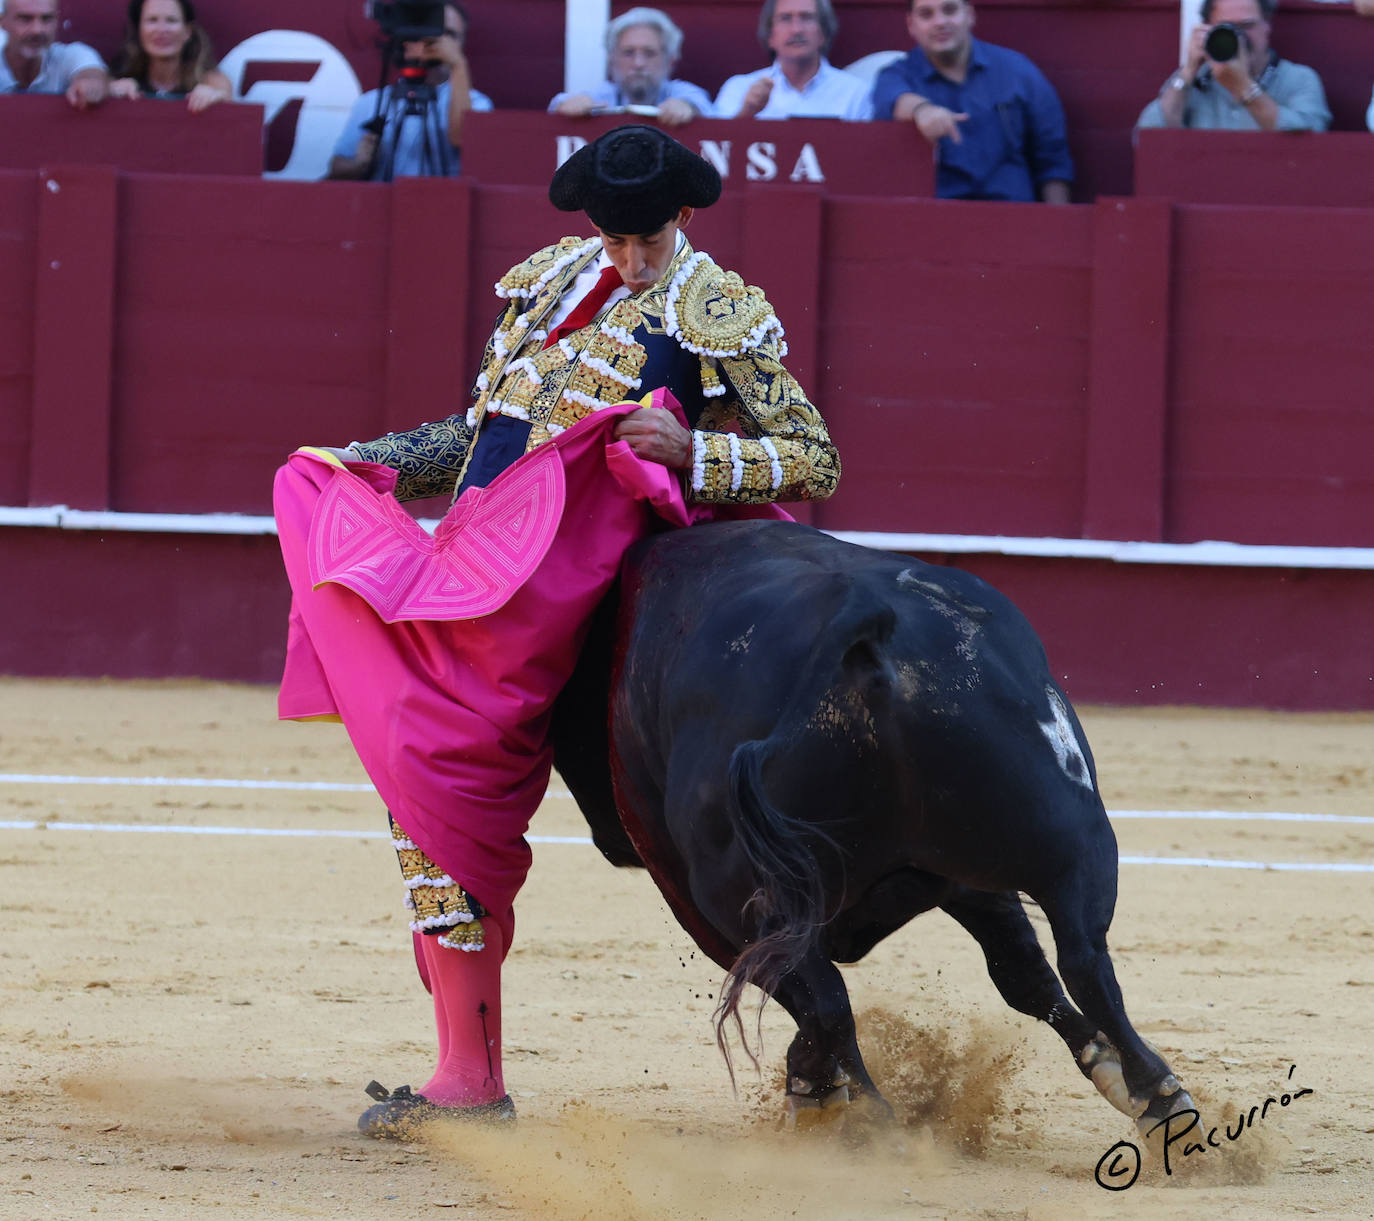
1203 862
329 833
1239 816
206 782
30 824
189 782
330 786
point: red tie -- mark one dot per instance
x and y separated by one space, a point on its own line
588 307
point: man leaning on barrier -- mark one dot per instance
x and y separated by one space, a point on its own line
33 61
642 49
801 83
996 123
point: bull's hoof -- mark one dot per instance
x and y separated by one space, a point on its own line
1101 1061
799 1108
1170 1098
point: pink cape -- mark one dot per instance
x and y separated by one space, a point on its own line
443 656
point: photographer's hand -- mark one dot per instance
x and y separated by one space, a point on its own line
1235 76
1173 98
1197 53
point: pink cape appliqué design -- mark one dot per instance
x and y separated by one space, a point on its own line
485 548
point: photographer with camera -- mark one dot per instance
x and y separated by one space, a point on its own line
1232 80
412 127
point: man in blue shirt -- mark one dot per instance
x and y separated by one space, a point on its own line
421 139
995 121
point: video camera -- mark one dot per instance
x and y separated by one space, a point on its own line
408 20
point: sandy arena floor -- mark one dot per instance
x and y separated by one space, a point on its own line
187 1020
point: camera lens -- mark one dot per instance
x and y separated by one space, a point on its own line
1223 41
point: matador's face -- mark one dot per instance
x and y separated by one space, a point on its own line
642 258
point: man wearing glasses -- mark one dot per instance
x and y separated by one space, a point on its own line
1240 83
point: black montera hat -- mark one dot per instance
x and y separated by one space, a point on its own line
633 180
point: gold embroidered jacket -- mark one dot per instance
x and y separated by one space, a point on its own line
755 437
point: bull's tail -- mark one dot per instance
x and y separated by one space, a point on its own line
789 906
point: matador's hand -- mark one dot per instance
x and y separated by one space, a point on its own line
654 434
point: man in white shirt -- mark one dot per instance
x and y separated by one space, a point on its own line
32 61
801 82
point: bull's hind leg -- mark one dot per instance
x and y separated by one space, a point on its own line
1080 911
1016 963
823 1062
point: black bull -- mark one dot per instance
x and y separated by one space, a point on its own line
812 742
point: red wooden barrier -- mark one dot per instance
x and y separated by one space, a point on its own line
69 460
1126 370
135 605
18 259
133 135
1304 169
1270 427
520 149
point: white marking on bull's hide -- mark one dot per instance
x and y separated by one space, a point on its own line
937 599
740 644
1062 739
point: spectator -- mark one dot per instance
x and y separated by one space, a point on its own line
419 142
1253 90
995 121
31 61
642 49
167 55
801 82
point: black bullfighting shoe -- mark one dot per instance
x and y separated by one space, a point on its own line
400 1114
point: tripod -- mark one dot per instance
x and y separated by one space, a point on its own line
409 120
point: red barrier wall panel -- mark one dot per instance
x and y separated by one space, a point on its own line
132 605
215 607
523 149
69 444
942 434
1157 634
18 244
1270 430
1299 169
1128 370
252 319
133 135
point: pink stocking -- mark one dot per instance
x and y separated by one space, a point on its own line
467 1012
